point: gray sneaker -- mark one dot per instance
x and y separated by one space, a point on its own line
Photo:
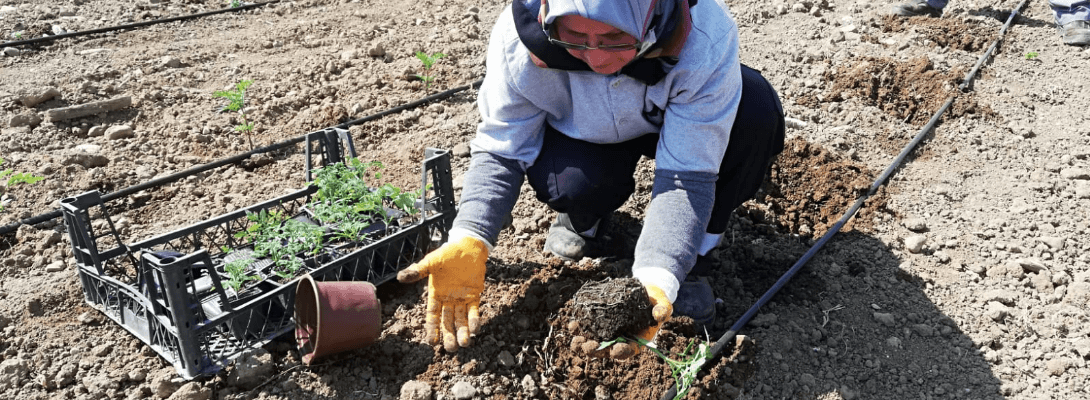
1076 33
916 8
565 242
696 300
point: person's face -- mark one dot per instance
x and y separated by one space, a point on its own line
590 33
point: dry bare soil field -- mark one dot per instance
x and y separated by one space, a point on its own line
966 277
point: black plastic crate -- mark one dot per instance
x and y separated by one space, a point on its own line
166 290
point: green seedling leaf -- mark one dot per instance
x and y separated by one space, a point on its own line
1031 55
428 61
610 343
236 101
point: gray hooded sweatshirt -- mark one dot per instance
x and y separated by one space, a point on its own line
692 108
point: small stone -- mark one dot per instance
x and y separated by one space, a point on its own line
415 390
101 350
170 62
1003 296
916 224
1078 294
461 150
996 311
96 131
376 50
847 393
87 318
1082 346
1031 264
58 30
251 369
1075 173
1042 281
1054 243
165 383
30 119
137 375
1082 189
119 132
463 390
922 329
1057 366
885 318
56 266
914 244
894 342
1009 269
506 359
12 52
192 391
349 55
39 96
808 380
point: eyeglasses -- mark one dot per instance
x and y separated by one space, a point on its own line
581 47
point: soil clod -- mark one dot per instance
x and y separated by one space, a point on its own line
610 309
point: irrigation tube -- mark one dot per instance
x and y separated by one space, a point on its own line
37 219
134 25
767 296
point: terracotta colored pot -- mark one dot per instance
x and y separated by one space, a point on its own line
331 317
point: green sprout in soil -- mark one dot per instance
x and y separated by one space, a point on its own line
236 99
236 273
234 3
17 35
428 61
1031 55
17 178
685 370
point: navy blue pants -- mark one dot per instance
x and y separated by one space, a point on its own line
590 181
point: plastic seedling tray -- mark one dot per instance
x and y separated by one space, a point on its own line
169 291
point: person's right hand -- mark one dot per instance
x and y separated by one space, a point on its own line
455 274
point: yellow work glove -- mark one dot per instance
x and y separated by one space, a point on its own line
455 274
661 310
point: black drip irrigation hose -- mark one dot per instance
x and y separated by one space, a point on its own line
134 25
881 180
37 219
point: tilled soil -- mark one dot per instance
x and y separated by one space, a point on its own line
967 276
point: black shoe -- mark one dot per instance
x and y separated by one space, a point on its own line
565 242
696 300
916 8
1076 33
704 266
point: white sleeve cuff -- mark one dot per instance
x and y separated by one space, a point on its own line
459 233
660 277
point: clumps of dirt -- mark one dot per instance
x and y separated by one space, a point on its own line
908 90
810 188
943 32
609 309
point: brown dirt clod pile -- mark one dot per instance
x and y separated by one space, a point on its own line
812 187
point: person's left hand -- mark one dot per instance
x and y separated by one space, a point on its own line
661 310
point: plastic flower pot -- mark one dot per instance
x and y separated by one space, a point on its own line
331 317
